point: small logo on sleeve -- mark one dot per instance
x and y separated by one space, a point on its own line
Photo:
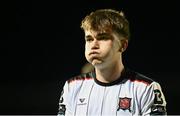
124 103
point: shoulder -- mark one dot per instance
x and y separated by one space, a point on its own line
81 77
74 84
139 78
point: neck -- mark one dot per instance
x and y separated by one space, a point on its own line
110 73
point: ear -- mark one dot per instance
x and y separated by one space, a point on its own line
124 45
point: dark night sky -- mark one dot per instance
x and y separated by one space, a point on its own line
42 45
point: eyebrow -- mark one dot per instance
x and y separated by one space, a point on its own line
102 34
88 36
98 35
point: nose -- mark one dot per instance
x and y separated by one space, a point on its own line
95 44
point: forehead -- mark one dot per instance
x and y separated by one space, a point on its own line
97 32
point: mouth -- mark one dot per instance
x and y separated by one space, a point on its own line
93 53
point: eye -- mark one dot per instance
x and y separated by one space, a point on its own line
89 39
104 37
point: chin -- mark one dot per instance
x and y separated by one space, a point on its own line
98 64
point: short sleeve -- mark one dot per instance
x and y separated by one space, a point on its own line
64 109
153 101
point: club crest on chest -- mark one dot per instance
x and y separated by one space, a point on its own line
124 103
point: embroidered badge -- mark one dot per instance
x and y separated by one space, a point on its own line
62 109
124 103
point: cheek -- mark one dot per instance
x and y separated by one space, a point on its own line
86 51
87 47
107 47
110 49
115 46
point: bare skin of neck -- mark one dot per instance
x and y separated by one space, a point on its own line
110 73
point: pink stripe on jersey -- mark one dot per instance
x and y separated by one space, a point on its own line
140 81
79 78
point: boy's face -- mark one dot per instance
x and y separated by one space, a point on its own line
102 47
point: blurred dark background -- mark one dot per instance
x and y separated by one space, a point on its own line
42 45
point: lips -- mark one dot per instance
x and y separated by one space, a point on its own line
93 52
